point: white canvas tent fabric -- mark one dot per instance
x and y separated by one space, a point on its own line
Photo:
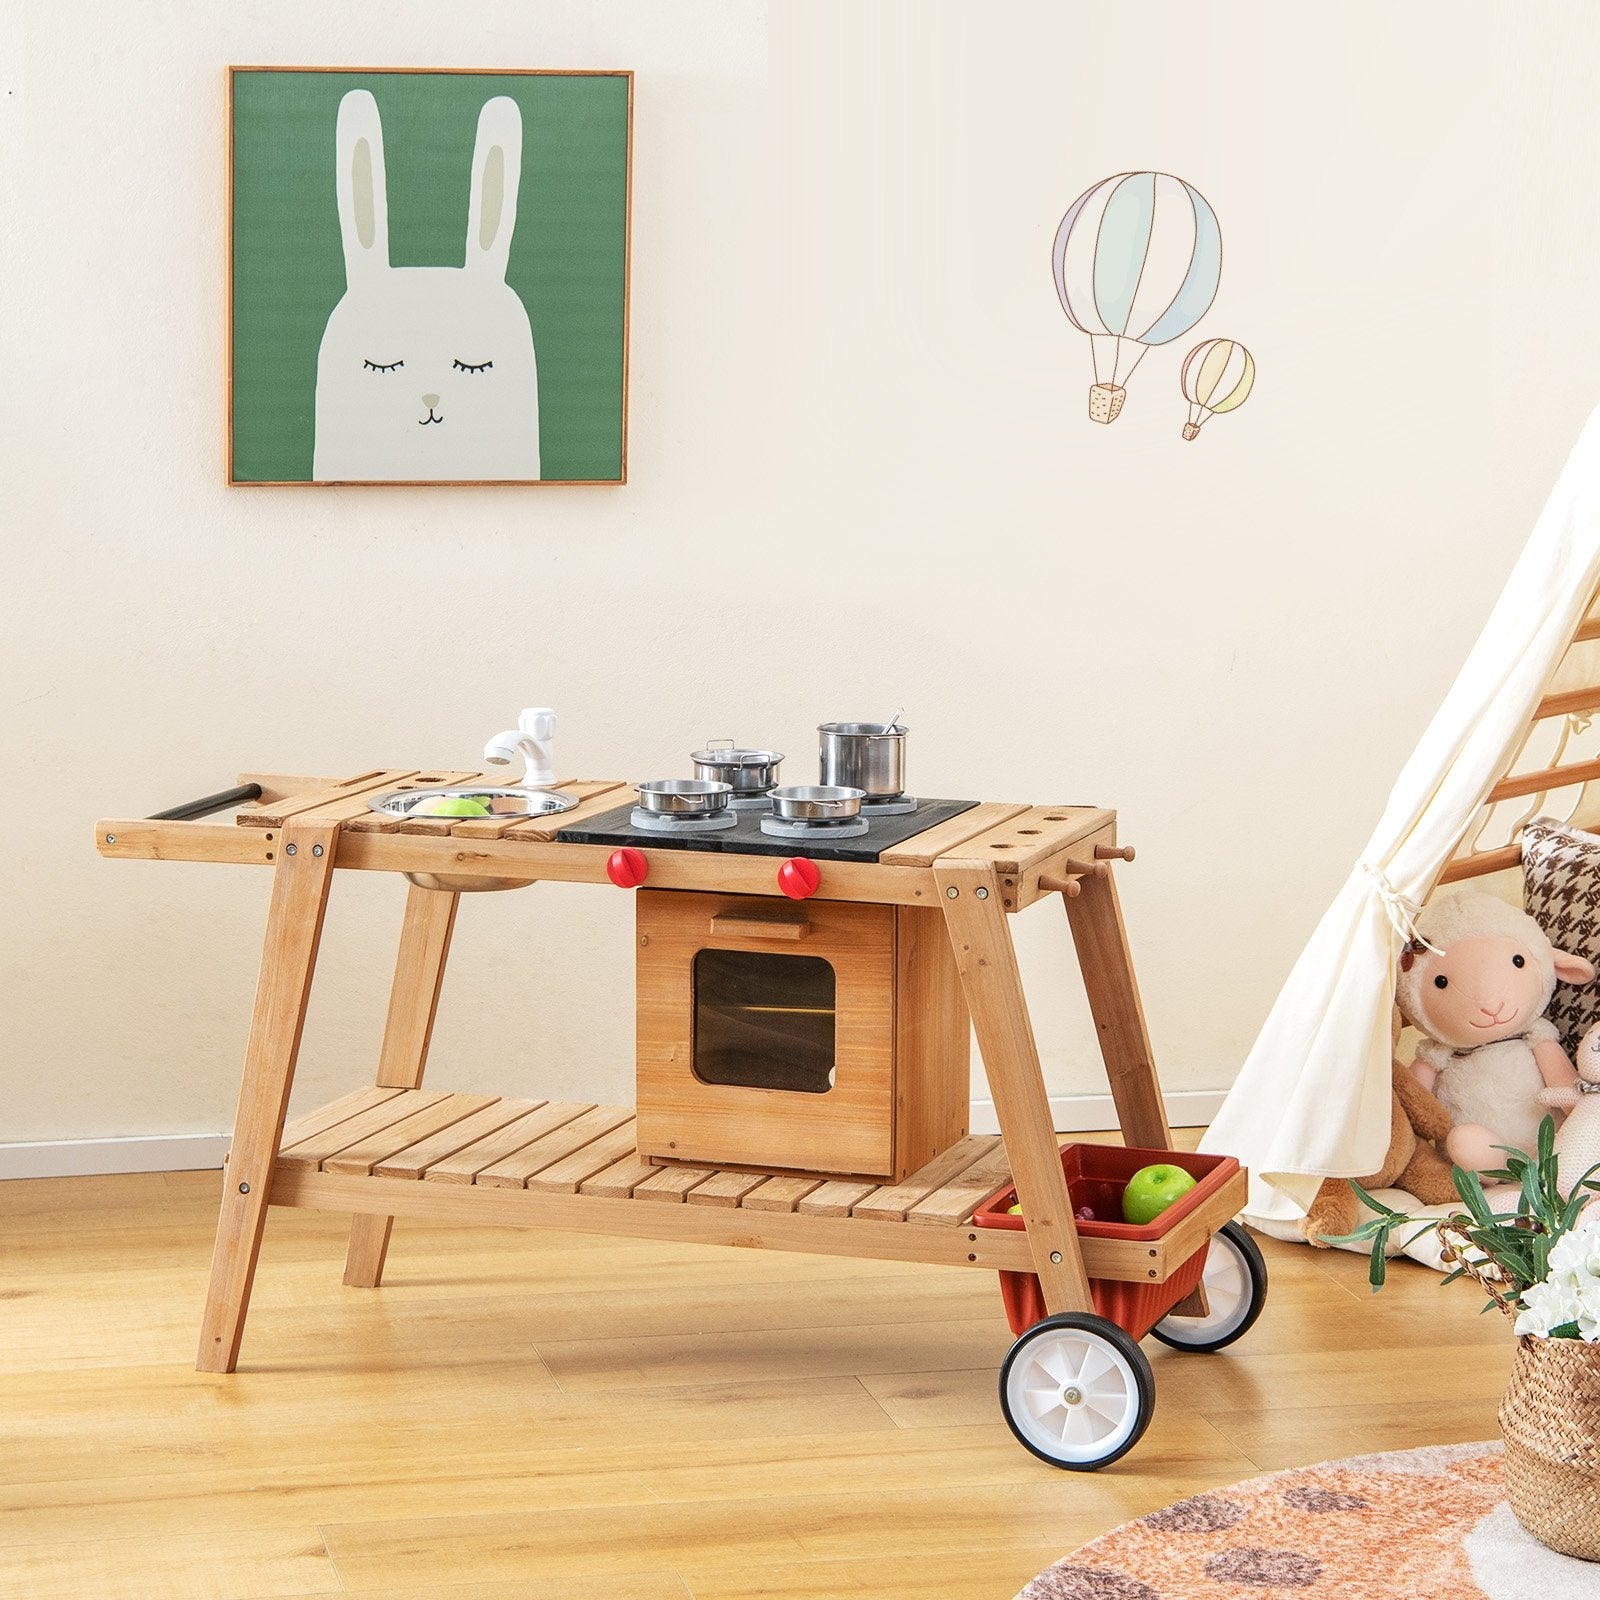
1312 1100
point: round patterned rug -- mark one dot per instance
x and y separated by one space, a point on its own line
1411 1525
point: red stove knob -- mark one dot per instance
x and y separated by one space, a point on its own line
799 878
627 868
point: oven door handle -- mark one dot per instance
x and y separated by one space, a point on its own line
780 923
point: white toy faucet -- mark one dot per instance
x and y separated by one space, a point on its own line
533 735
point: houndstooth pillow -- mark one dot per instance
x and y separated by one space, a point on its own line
1561 891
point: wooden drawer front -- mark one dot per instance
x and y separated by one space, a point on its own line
847 1129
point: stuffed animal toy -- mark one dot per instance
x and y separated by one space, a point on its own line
1475 983
1578 1138
1417 1125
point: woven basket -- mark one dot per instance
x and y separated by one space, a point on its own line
1551 1419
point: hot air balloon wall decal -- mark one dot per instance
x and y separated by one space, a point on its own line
1137 262
1217 376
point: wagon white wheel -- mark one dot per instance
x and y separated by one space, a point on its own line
1236 1288
1077 1391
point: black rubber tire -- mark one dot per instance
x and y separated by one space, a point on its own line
1231 1235
1144 1395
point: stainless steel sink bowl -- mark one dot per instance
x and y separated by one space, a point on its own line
509 803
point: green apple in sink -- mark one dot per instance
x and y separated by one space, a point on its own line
1151 1190
455 805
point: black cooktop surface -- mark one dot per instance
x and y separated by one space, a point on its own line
745 837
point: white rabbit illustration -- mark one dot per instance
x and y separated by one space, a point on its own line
427 372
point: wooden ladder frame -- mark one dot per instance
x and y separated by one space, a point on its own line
1535 785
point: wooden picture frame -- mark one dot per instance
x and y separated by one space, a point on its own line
414 210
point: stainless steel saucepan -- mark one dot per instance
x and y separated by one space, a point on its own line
870 756
684 797
746 772
816 802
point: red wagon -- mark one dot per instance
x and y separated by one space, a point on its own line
1076 1389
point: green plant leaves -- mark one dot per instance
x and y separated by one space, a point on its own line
1517 1242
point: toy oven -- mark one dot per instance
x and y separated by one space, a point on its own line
822 1036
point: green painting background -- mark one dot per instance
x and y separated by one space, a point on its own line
568 253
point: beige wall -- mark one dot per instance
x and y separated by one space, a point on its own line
862 476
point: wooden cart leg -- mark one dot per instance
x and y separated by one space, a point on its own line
1102 941
987 959
300 883
413 1002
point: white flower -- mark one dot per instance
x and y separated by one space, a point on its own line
1570 1294
1578 1252
1587 1299
1547 1305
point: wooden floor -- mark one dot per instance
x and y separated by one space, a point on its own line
577 1418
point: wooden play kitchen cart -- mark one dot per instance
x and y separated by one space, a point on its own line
876 963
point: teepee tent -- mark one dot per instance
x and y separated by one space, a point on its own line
1313 1097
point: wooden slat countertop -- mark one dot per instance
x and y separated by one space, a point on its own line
1020 843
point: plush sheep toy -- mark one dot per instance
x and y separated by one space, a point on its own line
1578 1138
1478 996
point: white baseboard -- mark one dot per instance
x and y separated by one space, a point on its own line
77 1158
1081 1113
190 1152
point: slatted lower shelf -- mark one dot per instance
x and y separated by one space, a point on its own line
532 1163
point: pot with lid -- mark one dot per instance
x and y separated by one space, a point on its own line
746 772
870 756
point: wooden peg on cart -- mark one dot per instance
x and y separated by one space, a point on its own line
1066 882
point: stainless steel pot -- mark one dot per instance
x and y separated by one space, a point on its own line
746 772
816 802
870 756
684 797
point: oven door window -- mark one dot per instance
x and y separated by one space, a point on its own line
764 1021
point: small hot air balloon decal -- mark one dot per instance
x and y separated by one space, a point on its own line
1137 262
1217 376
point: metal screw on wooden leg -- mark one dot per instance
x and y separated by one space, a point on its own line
981 892
1055 1256
316 849
290 849
952 893
244 1188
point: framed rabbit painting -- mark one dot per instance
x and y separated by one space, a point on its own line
427 276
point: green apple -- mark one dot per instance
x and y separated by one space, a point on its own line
457 805
1151 1190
